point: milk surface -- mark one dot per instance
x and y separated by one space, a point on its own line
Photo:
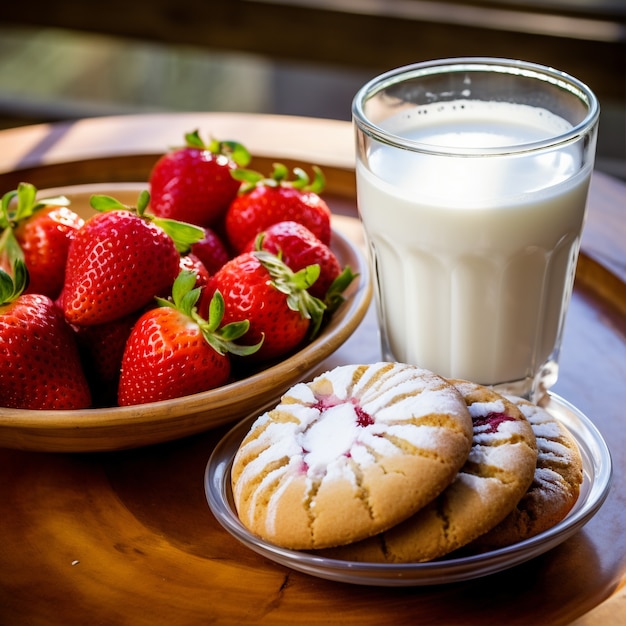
475 257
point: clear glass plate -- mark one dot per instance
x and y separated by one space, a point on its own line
597 472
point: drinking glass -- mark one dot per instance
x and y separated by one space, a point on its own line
472 179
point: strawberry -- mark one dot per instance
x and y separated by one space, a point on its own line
173 352
262 202
298 247
192 263
101 347
194 183
120 259
258 286
211 250
40 366
42 230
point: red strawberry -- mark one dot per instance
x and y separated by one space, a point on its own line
120 259
40 366
262 202
194 183
43 231
298 247
192 263
101 347
173 352
260 287
211 250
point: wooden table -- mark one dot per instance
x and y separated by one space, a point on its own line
127 537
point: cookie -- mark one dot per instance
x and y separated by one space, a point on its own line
498 471
555 488
349 454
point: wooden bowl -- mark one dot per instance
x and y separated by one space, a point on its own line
118 428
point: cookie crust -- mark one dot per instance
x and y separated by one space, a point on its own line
498 471
555 487
350 454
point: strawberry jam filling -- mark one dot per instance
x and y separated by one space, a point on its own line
492 421
335 434
363 418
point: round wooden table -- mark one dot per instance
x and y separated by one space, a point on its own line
126 537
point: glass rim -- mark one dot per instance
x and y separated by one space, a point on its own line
501 65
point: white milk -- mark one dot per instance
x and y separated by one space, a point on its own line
475 257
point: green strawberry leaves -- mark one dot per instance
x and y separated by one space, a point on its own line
27 204
235 151
184 293
185 298
334 296
183 234
12 287
294 285
107 203
280 178
17 206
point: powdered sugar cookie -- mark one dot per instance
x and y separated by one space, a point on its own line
350 454
498 472
555 488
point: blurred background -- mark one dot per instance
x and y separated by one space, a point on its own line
66 59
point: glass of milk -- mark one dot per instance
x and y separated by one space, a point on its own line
472 178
